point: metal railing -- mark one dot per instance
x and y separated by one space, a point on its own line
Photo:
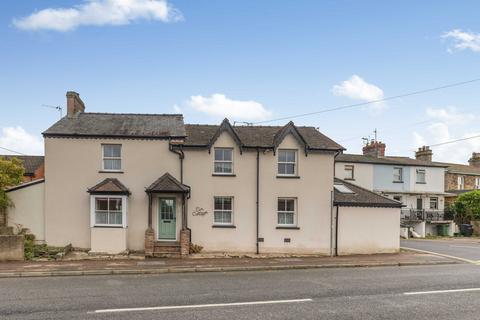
426 215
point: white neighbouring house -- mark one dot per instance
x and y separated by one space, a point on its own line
418 184
150 183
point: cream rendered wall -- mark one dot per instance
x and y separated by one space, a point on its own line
109 240
363 173
28 211
312 190
368 230
72 166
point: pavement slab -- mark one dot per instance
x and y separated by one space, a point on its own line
170 265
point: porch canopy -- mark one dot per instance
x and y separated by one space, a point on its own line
109 186
167 184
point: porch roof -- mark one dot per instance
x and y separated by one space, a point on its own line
109 186
167 184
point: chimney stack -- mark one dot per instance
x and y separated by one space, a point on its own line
474 161
74 104
424 153
374 148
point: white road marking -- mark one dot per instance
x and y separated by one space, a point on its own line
213 305
441 291
442 255
470 247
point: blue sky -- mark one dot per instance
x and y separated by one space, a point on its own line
248 60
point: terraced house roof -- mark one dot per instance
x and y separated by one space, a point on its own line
388 160
30 163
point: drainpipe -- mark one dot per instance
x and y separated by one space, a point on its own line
336 231
258 199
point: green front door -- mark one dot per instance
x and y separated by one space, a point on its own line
167 219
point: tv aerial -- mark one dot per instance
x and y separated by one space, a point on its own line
59 108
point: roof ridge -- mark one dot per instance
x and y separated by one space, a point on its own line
133 114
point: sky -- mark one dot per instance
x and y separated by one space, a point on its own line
251 61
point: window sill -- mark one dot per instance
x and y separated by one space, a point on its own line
109 227
287 177
397 181
223 175
288 227
349 179
226 226
110 171
421 183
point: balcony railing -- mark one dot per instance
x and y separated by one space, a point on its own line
426 215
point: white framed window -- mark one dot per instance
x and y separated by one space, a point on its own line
112 157
286 209
223 163
461 182
397 174
434 203
223 211
349 172
477 183
108 211
421 176
287 162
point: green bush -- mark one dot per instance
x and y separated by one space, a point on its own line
467 207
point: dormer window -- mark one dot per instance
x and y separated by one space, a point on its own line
223 163
112 157
287 162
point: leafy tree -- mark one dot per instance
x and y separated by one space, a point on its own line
467 206
11 173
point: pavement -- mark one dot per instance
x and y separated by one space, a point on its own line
440 292
461 249
157 266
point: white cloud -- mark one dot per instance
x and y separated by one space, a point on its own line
463 40
219 105
450 125
17 139
358 89
450 115
98 13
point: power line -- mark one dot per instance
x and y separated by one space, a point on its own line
453 141
456 84
10 150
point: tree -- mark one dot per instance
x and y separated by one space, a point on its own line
11 173
467 206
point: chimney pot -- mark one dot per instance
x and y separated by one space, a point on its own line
75 105
374 148
424 153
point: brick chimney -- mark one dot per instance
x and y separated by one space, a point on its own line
74 104
374 148
424 153
474 161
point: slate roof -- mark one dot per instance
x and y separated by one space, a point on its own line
30 163
166 184
461 168
119 125
200 135
109 186
388 160
361 197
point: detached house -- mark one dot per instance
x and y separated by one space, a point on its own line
149 182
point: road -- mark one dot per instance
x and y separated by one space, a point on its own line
337 293
464 248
